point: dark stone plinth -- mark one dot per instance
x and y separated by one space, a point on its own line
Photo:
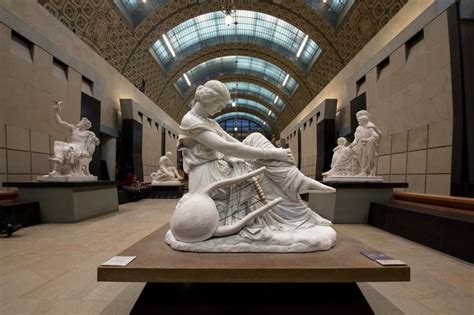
69 202
167 192
99 183
351 202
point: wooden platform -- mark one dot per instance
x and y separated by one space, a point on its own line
157 262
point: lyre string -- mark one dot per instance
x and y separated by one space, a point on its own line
240 210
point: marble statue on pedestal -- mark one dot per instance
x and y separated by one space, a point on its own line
247 193
71 159
357 161
167 174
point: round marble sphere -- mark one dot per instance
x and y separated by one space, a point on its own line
195 219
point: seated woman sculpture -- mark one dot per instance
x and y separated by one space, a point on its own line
344 160
167 171
211 155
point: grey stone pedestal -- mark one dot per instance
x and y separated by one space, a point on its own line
351 202
69 202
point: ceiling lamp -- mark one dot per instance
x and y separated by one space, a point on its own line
234 103
229 13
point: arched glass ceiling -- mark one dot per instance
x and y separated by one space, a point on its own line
243 102
331 10
240 115
136 10
236 65
252 27
255 90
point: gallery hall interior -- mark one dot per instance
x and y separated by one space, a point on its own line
236 157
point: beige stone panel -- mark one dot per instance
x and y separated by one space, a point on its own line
39 142
19 162
5 35
40 113
42 69
18 138
383 164
19 177
16 102
398 179
439 160
441 106
40 163
418 138
3 135
440 133
385 145
59 90
19 68
399 142
416 183
416 162
3 161
438 184
399 163
397 60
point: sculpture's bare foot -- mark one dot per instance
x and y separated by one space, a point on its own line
54 173
310 184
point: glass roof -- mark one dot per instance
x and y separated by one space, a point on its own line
236 65
136 10
243 102
331 10
252 27
240 115
255 90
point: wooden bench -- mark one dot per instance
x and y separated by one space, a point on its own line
444 223
7 195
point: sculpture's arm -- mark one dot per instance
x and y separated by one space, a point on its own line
240 150
61 122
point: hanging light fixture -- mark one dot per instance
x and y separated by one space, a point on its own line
229 13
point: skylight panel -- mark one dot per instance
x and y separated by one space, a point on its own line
253 28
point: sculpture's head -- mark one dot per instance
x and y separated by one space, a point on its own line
341 141
169 154
363 117
213 95
84 124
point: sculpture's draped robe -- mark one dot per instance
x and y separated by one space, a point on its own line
281 179
366 151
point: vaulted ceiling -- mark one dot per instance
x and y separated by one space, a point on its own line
275 60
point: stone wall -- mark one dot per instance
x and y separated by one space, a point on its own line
408 86
42 60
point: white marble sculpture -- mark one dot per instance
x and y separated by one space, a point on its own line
71 159
357 161
167 175
263 211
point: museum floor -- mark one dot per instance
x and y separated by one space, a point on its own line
52 268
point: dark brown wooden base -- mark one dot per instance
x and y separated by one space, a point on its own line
251 298
451 232
167 192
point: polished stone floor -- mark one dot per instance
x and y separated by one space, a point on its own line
51 268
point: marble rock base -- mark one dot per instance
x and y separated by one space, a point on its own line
353 179
166 183
66 179
296 241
